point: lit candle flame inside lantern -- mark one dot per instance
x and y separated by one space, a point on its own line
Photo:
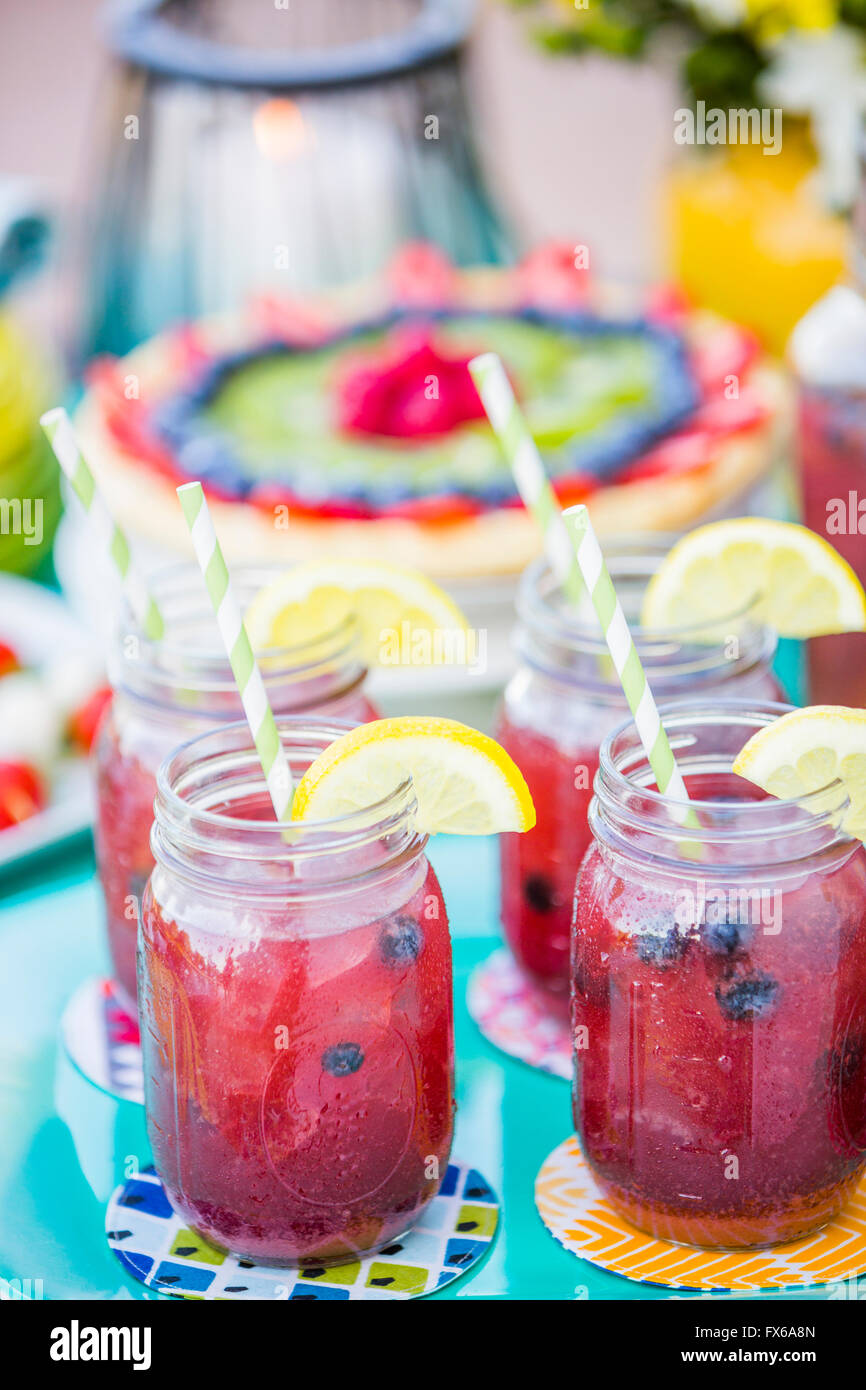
281 133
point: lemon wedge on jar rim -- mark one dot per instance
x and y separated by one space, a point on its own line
403 615
784 574
464 783
808 749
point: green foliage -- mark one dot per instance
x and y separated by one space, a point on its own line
600 33
723 69
853 12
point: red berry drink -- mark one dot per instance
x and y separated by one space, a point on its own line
562 702
827 351
166 693
719 994
833 481
296 1011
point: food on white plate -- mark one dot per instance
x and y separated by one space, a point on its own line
31 725
47 714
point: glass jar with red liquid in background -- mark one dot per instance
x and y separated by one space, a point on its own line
827 351
719 993
563 700
296 1010
832 451
168 691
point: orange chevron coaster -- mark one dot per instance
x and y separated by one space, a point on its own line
574 1211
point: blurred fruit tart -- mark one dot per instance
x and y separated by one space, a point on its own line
349 424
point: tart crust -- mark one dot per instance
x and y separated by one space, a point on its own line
496 541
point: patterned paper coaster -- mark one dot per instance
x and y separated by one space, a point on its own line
574 1211
102 1040
453 1233
516 1017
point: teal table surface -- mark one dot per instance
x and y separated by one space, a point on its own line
64 1145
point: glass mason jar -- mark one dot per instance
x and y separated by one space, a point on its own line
719 993
168 691
296 1010
827 351
832 461
563 700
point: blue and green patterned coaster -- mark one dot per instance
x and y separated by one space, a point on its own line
452 1234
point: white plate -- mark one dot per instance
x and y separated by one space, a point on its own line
39 625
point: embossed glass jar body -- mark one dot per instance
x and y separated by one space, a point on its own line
295 998
562 702
170 691
719 994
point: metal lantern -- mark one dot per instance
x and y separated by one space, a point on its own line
276 146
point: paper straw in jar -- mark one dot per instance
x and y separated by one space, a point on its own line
58 427
623 652
251 687
509 425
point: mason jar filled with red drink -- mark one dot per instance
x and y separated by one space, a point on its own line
296 1009
719 992
563 700
167 691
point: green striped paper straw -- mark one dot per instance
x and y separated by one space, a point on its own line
260 716
510 427
58 427
624 655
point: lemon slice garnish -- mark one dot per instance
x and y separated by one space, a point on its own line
807 750
464 783
797 582
404 617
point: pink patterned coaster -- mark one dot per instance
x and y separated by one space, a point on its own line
516 1016
103 1040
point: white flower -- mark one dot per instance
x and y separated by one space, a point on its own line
828 346
822 74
